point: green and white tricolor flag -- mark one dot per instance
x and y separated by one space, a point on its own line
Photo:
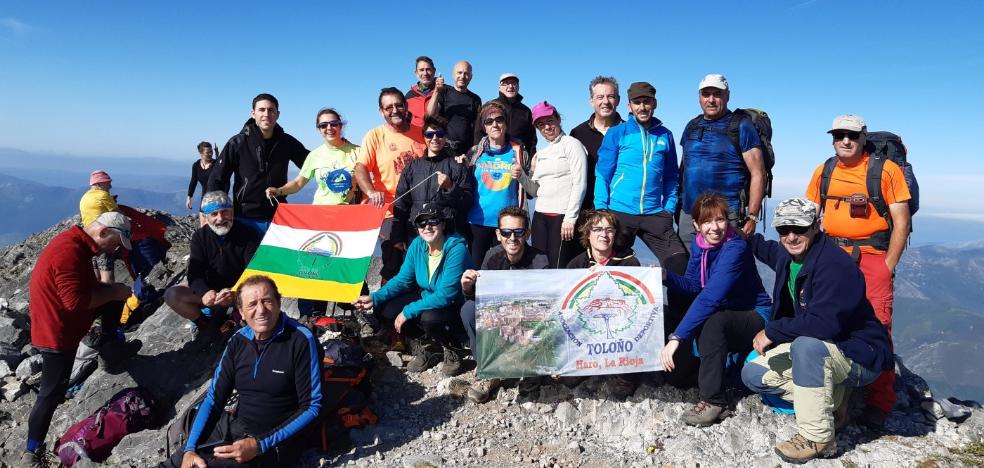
318 252
568 322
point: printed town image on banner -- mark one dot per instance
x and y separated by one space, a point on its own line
568 322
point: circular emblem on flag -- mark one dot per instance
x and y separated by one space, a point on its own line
608 304
326 244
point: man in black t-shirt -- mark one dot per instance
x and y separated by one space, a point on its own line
603 97
459 106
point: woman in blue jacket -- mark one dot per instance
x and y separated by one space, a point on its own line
422 301
729 309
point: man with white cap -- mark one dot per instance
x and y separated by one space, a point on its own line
518 115
65 300
822 336
722 152
875 242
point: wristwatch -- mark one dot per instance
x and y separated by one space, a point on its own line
674 337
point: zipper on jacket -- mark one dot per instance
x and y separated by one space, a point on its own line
620 177
646 156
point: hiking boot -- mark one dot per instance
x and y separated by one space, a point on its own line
621 387
873 418
483 390
704 414
206 333
113 355
453 361
425 356
800 450
28 460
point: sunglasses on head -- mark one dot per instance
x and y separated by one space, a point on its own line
498 119
517 232
330 123
840 134
439 133
429 222
798 230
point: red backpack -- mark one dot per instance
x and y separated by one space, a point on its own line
131 410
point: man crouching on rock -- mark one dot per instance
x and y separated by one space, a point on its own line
65 300
822 338
220 251
274 364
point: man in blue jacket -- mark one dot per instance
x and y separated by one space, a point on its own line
636 177
822 338
275 365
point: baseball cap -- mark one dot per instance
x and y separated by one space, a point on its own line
794 212
849 122
543 109
118 222
507 75
713 81
98 177
640 89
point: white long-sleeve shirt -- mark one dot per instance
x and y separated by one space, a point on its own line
560 172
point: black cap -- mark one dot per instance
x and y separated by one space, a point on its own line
434 209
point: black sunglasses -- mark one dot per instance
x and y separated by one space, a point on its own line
840 134
518 232
498 119
440 134
429 222
330 123
798 230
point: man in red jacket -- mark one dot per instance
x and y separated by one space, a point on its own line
65 300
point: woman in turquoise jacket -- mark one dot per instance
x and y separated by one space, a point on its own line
422 301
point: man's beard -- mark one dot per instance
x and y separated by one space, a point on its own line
220 230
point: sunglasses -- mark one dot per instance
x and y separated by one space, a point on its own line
499 120
438 134
798 230
429 222
840 134
518 232
330 123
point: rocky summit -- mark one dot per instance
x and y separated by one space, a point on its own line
425 420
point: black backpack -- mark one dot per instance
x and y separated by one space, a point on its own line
881 147
763 126
345 390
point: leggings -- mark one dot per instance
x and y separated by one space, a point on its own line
483 238
56 367
546 238
441 325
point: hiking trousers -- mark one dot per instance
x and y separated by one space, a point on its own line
879 288
724 332
441 325
56 367
546 237
813 375
230 429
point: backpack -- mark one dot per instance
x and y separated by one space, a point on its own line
763 126
345 392
881 147
177 432
130 410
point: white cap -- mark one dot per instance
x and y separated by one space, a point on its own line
507 75
852 123
713 81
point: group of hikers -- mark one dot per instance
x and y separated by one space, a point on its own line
455 175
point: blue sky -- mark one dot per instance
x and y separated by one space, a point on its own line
151 79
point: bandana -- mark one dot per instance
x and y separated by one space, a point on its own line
215 206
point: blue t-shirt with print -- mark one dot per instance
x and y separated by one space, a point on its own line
495 187
710 161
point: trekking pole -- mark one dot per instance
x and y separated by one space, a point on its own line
418 184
